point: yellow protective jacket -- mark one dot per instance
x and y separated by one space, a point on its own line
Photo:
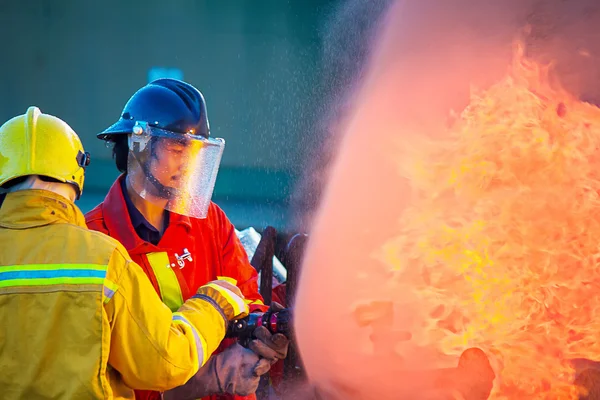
80 320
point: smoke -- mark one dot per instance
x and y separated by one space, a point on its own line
347 35
427 57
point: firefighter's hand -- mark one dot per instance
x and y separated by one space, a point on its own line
235 371
269 346
238 370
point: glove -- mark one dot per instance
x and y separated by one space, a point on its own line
235 371
269 346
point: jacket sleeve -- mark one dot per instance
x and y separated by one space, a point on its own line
153 348
236 266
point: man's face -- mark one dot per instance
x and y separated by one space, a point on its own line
170 161
176 172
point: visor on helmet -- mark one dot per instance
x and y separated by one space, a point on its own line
175 170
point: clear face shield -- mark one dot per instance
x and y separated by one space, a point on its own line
176 171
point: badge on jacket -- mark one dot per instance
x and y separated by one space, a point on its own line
181 259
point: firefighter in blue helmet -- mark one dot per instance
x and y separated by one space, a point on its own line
160 208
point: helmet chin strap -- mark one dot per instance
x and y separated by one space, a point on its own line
163 191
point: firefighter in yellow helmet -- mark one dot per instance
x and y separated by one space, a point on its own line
79 319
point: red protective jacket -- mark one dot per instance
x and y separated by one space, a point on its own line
213 247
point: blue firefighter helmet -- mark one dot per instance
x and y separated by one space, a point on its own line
166 103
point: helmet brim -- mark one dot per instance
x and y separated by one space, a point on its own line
121 127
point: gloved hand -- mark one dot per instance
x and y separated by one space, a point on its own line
235 371
269 346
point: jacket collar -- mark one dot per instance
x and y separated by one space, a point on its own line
144 229
118 221
34 207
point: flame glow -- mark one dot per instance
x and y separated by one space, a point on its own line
501 241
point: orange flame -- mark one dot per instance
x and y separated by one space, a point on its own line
501 241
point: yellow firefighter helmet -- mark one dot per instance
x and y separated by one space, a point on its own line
41 144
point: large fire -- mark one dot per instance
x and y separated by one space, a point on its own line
498 248
500 242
